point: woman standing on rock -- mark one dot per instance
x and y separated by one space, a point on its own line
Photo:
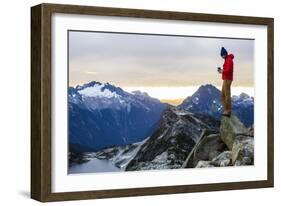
227 77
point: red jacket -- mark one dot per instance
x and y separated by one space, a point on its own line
227 72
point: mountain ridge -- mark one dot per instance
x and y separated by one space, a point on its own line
102 112
177 133
102 115
206 100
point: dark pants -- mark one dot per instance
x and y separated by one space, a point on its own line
226 95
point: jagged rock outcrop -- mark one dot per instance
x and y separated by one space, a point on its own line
234 145
243 150
238 139
207 148
172 141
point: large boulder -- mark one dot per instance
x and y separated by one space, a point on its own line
233 146
242 154
230 128
222 160
243 150
207 148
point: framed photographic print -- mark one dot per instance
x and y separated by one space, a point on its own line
129 102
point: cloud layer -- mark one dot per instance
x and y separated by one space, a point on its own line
135 60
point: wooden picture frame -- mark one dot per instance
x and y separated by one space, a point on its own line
41 95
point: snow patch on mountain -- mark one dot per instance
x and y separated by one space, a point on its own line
98 91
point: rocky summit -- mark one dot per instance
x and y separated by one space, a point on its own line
176 135
232 146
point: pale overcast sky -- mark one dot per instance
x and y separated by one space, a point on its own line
153 60
135 60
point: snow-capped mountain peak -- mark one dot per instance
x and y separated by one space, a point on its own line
104 115
98 90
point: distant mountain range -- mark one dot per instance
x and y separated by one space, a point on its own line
103 115
206 100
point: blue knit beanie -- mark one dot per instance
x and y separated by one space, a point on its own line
223 51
